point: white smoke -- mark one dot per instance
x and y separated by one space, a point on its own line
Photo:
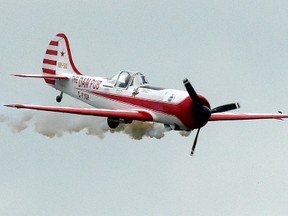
185 133
17 125
58 124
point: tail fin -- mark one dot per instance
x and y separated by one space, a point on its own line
58 59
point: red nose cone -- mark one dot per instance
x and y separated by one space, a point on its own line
203 113
193 117
204 101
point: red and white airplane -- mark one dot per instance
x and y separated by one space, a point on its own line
128 96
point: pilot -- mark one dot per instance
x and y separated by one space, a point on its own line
127 78
126 81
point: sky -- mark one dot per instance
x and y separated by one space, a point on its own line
230 51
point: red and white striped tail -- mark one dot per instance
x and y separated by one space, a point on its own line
58 59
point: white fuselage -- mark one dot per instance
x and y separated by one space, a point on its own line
99 92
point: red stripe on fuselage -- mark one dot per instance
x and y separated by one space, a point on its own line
183 110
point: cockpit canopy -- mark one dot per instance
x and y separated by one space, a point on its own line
125 79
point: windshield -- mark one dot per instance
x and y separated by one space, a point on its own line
123 79
139 79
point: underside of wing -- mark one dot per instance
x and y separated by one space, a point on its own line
122 114
41 76
245 116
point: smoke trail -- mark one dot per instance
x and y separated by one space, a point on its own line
137 130
2 118
185 133
17 125
58 124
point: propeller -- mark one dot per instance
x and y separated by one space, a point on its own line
202 112
225 108
195 142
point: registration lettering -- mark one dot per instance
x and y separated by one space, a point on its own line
86 83
62 65
83 95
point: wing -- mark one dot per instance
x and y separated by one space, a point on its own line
123 114
41 76
245 116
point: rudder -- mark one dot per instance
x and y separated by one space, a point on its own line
58 59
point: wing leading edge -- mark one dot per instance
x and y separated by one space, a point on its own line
122 114
245 116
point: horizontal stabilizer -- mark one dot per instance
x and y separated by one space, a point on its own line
41 76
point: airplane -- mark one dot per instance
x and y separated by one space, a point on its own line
128 96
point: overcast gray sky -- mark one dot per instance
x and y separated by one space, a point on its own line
230 50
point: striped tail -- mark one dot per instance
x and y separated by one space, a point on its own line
58 59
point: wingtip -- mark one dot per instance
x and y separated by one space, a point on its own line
8 105
18 75
12 105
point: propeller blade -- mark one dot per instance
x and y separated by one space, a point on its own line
226 107
195 142
192 92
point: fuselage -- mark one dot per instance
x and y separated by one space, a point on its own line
171 107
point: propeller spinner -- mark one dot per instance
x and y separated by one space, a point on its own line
202 112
